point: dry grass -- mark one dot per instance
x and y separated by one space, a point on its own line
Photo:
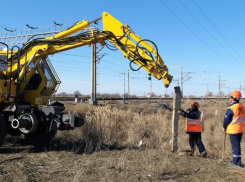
110 166
115 126
121 127
125 125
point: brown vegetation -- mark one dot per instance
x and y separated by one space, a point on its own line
125 125
111 136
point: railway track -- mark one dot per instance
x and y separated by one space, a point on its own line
82 98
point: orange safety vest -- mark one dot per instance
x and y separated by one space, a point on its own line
193 125
237 124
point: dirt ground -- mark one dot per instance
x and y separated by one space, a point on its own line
62 162
39 164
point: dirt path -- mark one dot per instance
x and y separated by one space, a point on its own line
111 166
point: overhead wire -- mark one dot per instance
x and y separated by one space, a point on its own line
76 55
90 57
199 38
111 69
210 34
218 30
78 70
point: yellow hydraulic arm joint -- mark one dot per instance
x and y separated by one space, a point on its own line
81 25
136 49
77 27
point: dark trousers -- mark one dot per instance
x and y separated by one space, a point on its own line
235 140
196 138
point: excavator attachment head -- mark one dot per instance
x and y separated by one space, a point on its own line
167 80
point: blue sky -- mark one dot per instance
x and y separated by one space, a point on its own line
205 37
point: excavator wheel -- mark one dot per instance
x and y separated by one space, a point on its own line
3 130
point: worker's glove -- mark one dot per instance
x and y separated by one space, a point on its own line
223 129
188 110
181 112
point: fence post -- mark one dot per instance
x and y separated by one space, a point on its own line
175 118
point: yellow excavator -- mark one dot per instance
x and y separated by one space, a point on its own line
28 79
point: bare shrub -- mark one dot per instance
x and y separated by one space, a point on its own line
119 127
126 125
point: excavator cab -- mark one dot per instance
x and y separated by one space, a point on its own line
43 82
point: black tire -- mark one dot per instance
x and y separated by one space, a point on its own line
3 130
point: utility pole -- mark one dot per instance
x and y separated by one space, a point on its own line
181 81
219 88
93 76
128 85
149 78
241 87
123 86
220 85
175 118
150 87
95 59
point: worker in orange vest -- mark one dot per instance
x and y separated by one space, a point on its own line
194 128
234 124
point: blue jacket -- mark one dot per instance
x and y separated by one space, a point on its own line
193 113
228 115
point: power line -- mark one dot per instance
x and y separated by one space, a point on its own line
218 30
87 62
199 37
210 33
76 55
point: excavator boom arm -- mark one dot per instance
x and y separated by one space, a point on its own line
32 56
141 52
